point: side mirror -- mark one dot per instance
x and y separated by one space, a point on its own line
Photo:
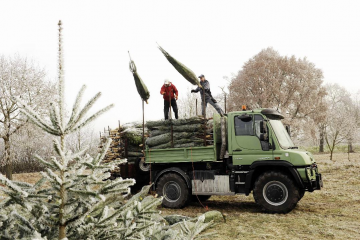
288 129
264 137
263 128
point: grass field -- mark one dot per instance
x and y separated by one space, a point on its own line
332 213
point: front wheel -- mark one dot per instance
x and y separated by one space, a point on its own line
275 192
174 190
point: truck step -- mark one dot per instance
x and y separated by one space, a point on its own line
239 182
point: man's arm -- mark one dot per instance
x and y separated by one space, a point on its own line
195 90
162 90
175 91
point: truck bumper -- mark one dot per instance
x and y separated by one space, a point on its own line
316 184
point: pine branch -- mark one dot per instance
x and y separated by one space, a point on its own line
12 186
32 115
83 112
90 119
53 176
76 106
44 162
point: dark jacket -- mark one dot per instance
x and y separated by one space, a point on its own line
206 86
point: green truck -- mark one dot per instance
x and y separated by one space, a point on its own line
252 151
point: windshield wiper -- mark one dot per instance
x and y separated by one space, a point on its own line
293 148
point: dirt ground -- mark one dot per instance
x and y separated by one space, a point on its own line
332 213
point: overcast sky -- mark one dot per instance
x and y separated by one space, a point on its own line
214 38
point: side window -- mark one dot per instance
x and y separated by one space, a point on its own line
257 120
244 126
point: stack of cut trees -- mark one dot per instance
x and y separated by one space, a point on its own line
126 143
179 133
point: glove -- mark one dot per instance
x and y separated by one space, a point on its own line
193 91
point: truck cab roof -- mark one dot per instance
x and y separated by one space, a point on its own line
268 112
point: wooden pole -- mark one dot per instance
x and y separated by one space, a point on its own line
204 103
143 135
172 135
204 115
196 112
225 102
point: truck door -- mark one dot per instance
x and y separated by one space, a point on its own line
246 144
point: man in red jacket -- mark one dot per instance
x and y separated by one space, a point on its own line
170 94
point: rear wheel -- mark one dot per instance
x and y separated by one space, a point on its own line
275 192
174 190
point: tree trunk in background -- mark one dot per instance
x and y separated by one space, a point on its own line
321 144
351 149
8 164
331 154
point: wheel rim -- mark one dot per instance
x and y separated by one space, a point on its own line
145 167
171 191
275 193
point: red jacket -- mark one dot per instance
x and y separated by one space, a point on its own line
169 91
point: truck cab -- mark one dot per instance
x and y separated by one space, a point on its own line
252 152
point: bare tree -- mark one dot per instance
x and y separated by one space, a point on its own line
340 120
290 85
26 143
355 109
191 103
19 78
85 136
187 105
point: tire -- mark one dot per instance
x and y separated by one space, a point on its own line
174 190
301 193
275 192
142 166
202 198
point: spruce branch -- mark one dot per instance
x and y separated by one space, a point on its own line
12 186
76 106
83 112
103 152
32 115
53 176
90 119
46 163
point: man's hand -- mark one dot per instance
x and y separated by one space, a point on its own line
193 91
176 97
162 93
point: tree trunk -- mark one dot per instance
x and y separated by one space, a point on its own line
62 226
331 152
321 145
351 149
8 163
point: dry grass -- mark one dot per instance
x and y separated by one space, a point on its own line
332 213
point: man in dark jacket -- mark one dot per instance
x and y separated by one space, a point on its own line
208 97
170 95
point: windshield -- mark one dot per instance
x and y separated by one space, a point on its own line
281 134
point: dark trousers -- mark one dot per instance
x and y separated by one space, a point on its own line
167 106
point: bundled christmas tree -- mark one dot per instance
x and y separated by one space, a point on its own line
189 132
73 200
